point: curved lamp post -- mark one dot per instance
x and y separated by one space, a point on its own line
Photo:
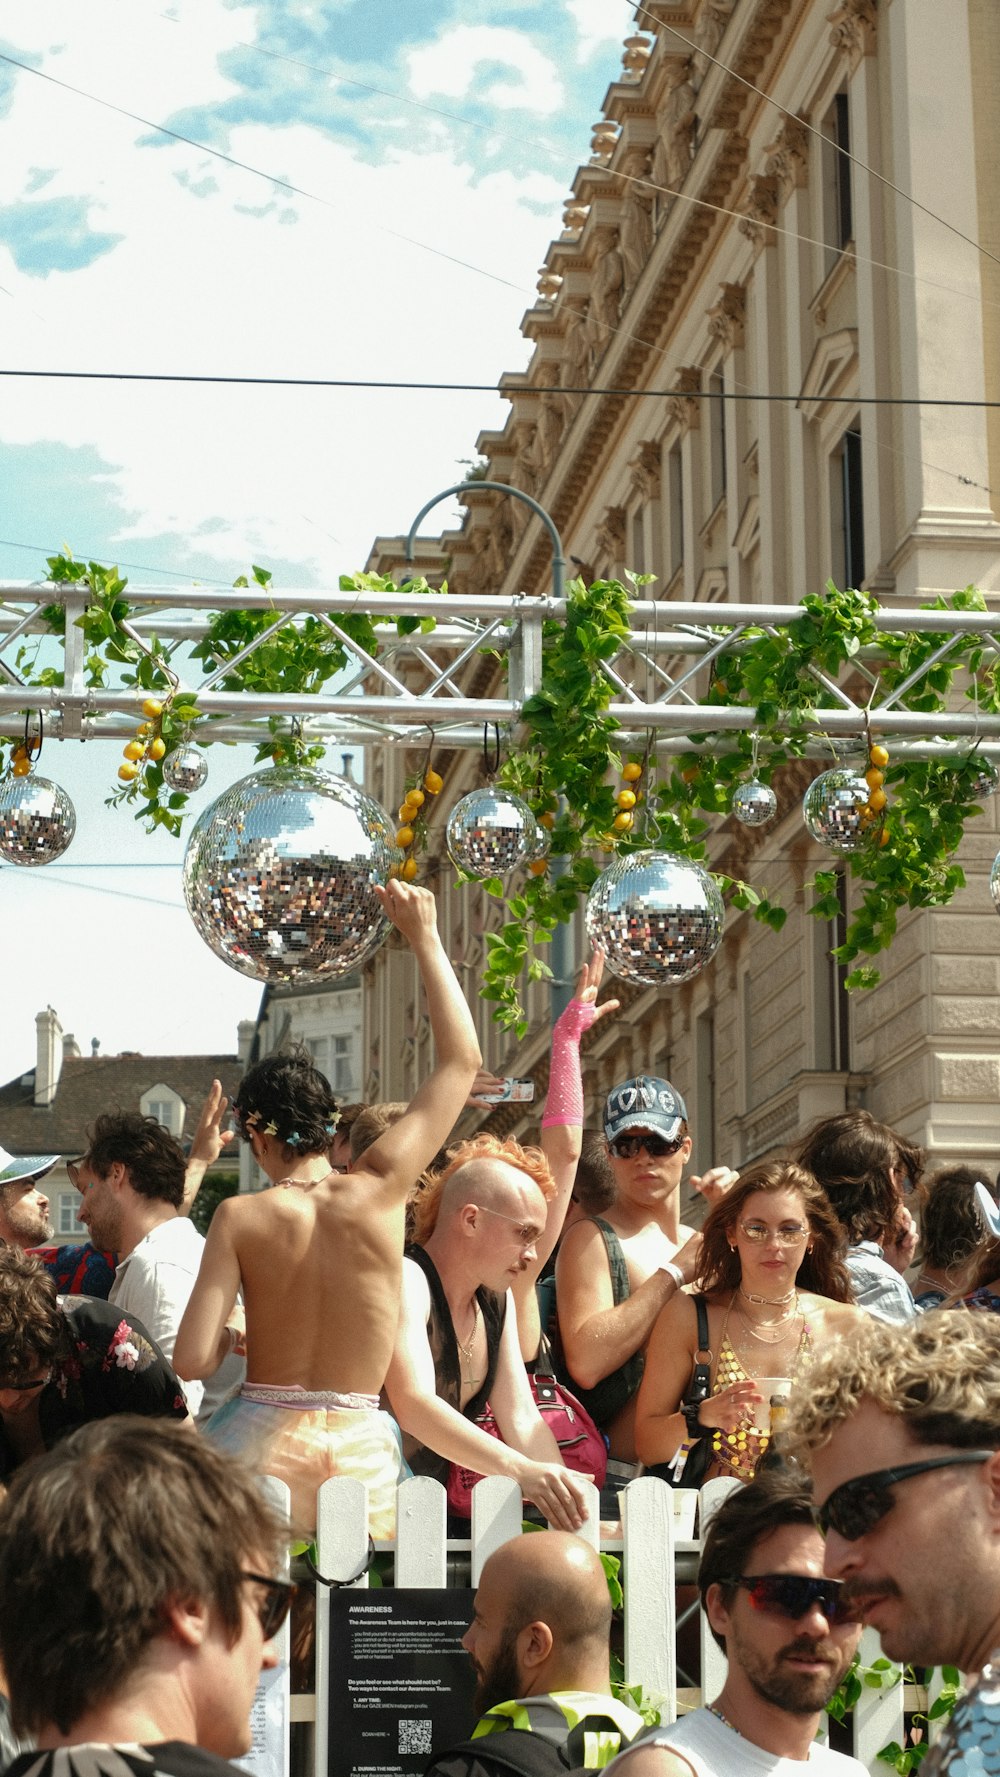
501 487
562 982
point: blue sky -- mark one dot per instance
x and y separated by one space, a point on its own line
434 142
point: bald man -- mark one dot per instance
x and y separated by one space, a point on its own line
456 1341
538 1641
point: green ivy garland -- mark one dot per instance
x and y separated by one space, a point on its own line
564 767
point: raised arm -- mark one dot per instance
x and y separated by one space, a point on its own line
208 1143
598 1335
408 1146
203 1337
412 1391
562 1134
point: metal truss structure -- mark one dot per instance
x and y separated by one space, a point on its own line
421 682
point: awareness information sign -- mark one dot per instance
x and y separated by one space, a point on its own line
401 1684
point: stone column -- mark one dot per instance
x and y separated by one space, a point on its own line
769 372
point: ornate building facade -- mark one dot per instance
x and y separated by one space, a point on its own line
760 291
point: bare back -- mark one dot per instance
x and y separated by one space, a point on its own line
321 1270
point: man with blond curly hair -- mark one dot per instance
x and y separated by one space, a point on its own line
456 1342
900 1428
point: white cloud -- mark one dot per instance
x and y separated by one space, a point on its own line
448 69
600 23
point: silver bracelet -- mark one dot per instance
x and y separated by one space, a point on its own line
675 1272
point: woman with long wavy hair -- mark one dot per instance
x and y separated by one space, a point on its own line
775 1287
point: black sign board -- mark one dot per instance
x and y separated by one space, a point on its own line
401 1684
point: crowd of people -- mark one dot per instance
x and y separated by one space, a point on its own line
396 1305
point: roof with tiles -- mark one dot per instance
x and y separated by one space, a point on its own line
89 1085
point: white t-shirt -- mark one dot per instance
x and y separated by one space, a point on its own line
155 1281
716 1750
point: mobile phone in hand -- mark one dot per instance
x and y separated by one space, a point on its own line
509 1092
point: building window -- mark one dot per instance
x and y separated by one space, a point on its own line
675 511
66 1222
831 1001
165 1107
847 511
838 212
316 1047
343 1064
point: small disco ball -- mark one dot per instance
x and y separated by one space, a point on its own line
754 803
995 882
279 875
832 806
490 832
986 782
186 768
657 917
37 820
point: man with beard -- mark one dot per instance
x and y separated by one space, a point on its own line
24 1209
787 1634
538 1642
901 1431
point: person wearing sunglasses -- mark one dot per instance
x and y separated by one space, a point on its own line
788 1635
616 1271
867 1171
140 1591
900 1430
773 1283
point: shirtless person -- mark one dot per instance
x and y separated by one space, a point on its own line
613 1275
320 1259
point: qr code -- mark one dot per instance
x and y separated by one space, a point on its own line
415 1736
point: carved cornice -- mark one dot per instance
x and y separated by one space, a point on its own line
788 157
853 29
761 211
645 467
682 408
611 533
727 318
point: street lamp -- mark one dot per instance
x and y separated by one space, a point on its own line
562 982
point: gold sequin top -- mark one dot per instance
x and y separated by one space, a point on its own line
738 1452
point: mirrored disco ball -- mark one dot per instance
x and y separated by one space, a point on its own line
754 803
657 917
986 781
491 831
832 808
37 820
995 882
186 768
278 875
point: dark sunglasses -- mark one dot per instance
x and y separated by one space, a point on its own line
274 1602
792 1594
857 1506
41 1381
626 1147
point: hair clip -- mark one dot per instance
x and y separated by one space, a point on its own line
270 1128
292 1141
332 1124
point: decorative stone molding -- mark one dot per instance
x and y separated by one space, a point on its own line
674 147
727 318
549 283
761 211
711 28
788 158
602 142
636 221
635 55
610 537
605 294
680 405
646 469
574 216
853 29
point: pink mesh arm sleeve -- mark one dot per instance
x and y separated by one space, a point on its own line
564 1103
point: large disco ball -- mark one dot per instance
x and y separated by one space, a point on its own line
37 820
186 768
832 809
657 917
754 803
490 832
279 874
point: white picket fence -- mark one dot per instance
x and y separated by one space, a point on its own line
658 1525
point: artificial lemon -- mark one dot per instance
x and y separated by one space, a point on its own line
404 837
21 767
547 819
152 707
626 798
879 755
157 748
415 798
632 771
874 778
128 771
623 821
409 869
877 800
538 866
433 783
134 749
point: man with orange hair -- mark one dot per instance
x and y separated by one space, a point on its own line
456 1342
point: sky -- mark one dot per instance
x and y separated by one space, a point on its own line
431 145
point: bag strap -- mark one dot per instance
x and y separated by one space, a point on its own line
701 1378
516 1750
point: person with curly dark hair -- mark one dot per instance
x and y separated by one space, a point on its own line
866 1169
772 1274
137 1602
951 1234
66 1362
319 1257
